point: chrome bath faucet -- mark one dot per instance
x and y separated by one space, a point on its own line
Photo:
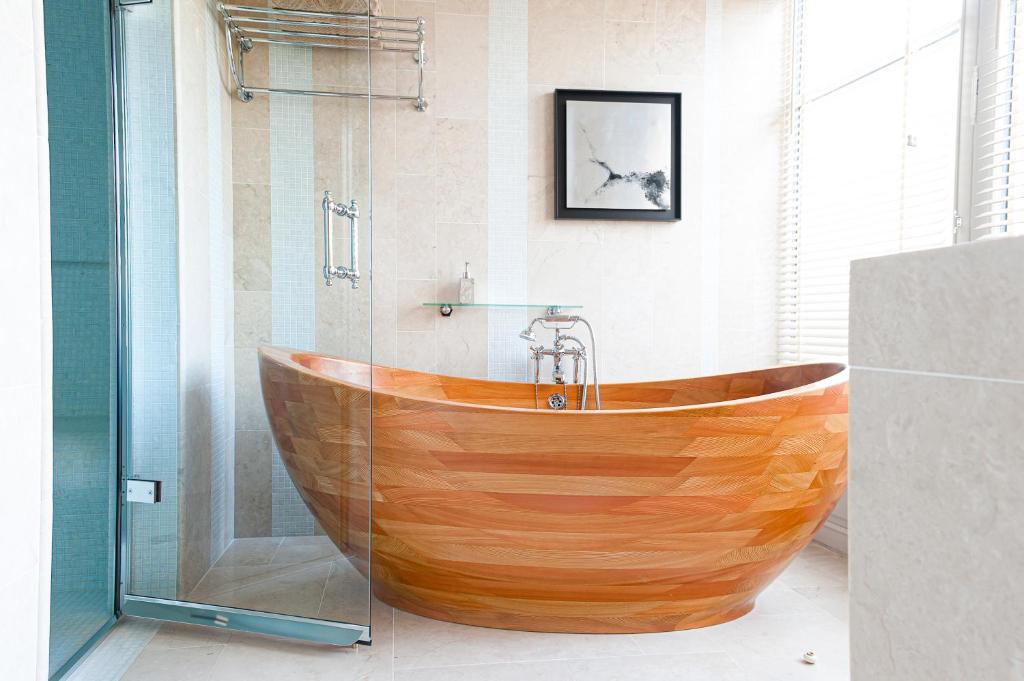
563 347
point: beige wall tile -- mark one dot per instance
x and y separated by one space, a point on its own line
461 170
416 146
417 237
385 302
252 318
412 315
630 10
249 411
253 471
629 55
541 215
257 66
340 69
462 343
463 6
251 160
252 257
680 37
459 243
417 350
461 69
252 114
565 273
566 42
541 131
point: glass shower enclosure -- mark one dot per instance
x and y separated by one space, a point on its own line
234 124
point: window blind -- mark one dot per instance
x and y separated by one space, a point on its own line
998 159
869 163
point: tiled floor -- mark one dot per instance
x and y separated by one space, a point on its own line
806 609
304 576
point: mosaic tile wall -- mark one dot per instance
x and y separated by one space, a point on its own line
507 146
292 200
153 250
77 43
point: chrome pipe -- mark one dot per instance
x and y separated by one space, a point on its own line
337 46
593 347
309 13
353 242
329 270
329 36
241 22
348 95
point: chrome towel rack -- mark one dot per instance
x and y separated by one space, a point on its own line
246 26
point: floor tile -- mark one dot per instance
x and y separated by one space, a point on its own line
805 609
695 667
174 635
305 550
299 592
221 580
174 664
255 551
249 657
347 596
422 642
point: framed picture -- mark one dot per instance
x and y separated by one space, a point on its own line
617 155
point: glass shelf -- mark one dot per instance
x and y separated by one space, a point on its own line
446 309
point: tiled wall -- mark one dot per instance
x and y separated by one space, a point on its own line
507 186
153 305
471 179
205 302
936 397
292 198
25 403
84 383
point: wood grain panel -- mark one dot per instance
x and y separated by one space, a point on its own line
670 509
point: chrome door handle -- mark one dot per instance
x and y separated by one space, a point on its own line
350 211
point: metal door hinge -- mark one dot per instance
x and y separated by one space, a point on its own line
958 222
142 491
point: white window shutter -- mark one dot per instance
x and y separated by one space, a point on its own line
997 181
870 160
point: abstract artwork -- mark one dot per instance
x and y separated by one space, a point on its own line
617 155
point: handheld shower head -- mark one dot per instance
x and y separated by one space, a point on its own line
527 334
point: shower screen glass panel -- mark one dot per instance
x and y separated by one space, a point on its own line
227 161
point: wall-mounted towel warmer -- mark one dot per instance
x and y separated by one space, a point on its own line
246 26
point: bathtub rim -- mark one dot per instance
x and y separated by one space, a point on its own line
285 355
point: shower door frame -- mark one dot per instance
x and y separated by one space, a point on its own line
147 607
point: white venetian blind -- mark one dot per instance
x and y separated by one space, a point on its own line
870 159
998 172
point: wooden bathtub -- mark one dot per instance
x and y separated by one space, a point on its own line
670 509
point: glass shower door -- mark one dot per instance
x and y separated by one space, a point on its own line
226 158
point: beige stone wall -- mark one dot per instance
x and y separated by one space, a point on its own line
648 288
250 188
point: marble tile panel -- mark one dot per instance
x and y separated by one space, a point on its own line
907 314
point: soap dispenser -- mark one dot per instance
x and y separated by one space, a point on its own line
466 287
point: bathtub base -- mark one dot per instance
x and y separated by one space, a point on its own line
560 624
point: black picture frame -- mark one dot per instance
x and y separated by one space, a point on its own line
562 211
